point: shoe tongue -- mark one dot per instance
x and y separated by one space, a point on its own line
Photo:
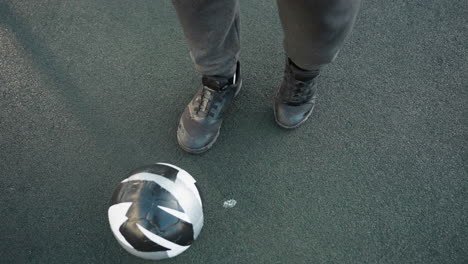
215 82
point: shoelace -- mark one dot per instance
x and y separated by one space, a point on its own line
302 91
205 102
209 98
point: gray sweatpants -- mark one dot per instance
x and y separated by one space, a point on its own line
314 31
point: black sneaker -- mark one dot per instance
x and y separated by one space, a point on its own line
296 96
201 120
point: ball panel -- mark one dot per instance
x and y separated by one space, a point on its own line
144 191
158 169
117 217
168 226
137 239
184 195
181 233
146 197
175 249
159 218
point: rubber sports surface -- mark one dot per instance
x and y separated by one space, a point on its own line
90 90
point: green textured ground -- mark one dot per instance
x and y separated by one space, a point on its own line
91 89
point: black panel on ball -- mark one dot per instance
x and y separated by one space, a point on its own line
145 197
159 169
137 239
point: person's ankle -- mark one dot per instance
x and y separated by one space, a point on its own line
303 74
231 78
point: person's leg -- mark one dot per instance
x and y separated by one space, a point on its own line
211 28
314 32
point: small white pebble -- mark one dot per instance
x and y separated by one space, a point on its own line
229 203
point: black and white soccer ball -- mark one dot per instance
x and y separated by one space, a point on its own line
156 212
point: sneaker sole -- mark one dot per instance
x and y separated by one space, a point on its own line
210 144
200 150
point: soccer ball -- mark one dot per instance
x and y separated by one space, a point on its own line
156 213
